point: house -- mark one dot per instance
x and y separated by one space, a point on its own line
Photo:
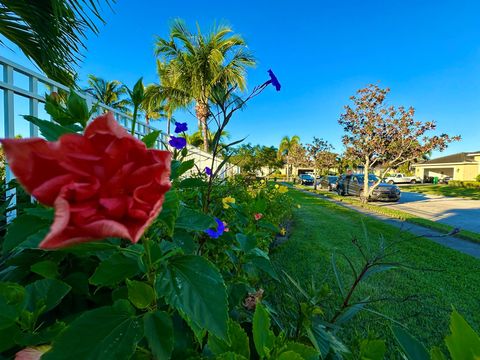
461 166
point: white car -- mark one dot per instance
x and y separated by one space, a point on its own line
401 178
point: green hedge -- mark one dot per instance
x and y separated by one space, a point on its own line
465 184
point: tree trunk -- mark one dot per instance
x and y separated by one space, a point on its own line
169 120
202 112
365 181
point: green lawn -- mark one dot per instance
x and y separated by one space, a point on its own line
446 190
449 278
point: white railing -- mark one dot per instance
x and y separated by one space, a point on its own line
21 82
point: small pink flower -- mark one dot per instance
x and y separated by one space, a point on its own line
226 227
32 353
258 216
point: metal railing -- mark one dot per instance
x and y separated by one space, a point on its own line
11 86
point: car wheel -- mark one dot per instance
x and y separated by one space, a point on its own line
413 181
391 182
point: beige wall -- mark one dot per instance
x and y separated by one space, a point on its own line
462 172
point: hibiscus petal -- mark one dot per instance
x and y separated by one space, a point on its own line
47 192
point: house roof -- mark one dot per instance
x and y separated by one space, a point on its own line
454 158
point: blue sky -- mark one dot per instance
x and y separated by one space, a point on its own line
427 52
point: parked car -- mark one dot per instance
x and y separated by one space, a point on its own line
402 178
445 180
353 185
328 182
306 179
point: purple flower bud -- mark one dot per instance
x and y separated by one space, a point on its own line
208 171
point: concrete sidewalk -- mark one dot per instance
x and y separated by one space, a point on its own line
464 246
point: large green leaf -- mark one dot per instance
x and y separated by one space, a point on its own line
150 139
239 343
230 356
307 352
372 349
115 269
170 210
190 219
178 168
290 355
23 227
49 130
47 268
463 342
158 329
45 294
77 108
12 300
107 333
192 183
263 337
412 348
194 285
141 295
246 242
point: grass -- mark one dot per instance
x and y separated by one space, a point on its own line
446 190
448 278
402 215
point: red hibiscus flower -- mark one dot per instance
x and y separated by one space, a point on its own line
105 183
258 216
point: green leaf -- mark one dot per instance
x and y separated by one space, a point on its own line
337 275
47 268
77 108
185 240
115 269
263 337
141 295
21 229
12 300
412 348
372 349
230 356
264 264
290 355
8 335
150 139
49 130
190 219
238 341
377 269
178 168
158 330
350 312
192 183
436 354
170 211
247 243
45 294
40 212
307 352
463 342
107 333
194 285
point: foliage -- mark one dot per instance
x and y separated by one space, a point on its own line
387 136
320 152
286 145
477 179
254 159
110 93
51 33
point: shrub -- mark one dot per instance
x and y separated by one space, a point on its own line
465 184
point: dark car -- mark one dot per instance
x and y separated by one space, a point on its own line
306 179
353 185
328 182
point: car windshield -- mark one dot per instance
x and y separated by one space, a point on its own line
306 176
371 178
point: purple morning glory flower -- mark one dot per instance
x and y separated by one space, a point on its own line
273 80
180 127
178 142
214 234
208 171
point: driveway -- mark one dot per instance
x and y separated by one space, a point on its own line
457 212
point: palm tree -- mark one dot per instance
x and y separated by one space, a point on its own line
51 33
286 145
196 139
164 95
195 63
109 93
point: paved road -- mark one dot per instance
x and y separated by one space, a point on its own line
458 212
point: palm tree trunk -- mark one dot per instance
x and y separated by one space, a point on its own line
202 112
169 120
